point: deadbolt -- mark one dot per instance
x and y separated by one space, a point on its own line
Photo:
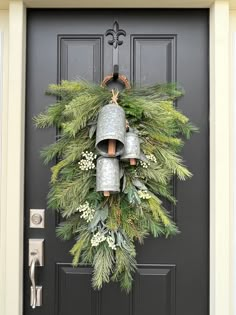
37 218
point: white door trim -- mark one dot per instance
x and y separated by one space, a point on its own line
15 160
220 284
220 232
233 221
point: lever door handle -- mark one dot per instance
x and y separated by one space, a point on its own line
33 264
35 260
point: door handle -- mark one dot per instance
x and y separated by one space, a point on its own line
35 260
33 292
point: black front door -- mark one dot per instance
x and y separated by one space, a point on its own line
160 46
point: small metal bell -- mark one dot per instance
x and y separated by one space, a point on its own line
111 130
108 175
132 148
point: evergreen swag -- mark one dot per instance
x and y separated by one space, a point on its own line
106 228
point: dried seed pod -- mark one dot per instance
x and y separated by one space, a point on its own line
108 175
111 130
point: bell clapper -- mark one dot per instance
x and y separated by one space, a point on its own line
132 161
106 193
111 147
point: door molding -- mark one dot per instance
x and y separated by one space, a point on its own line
14 163
12 188
220 234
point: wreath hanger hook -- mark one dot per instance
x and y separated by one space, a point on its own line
115 42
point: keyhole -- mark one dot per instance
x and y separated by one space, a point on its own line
36 218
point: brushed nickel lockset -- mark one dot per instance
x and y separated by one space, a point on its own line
37 218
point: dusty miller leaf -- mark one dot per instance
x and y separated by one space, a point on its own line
121 172
124 183
104 213
133 196
143 157
100 215
92 130
137 183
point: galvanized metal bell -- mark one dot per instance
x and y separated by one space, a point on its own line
108 175
111 130
132 148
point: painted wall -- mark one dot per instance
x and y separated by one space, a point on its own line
3 127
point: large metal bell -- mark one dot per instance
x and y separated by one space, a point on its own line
108 175
111 129
132 148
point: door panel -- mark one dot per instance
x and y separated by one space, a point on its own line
157 66
81 57
160 46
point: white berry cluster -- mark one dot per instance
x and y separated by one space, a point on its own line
143 194
144 164
100 237
151 157
87 211
87 162
111 242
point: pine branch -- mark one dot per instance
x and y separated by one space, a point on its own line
153 226
160 214
173 162
125 266
157 174
67 90
68 195
77 249
53 116
54 150
169 91
67 229
103 265
161 190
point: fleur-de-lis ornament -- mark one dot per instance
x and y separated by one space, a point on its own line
115 33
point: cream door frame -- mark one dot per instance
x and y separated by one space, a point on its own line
12 182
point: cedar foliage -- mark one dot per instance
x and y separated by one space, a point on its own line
125 217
